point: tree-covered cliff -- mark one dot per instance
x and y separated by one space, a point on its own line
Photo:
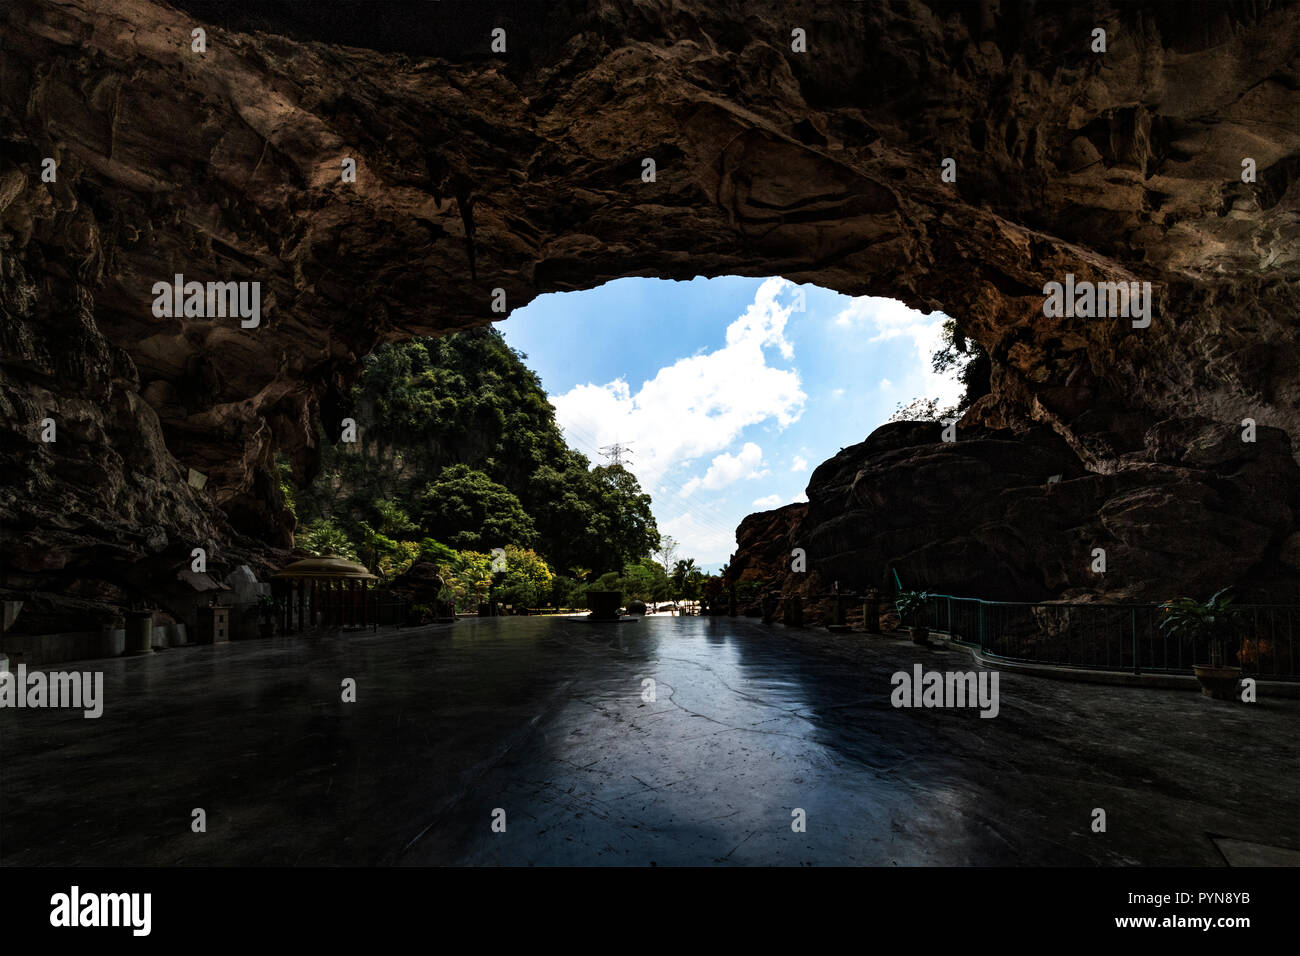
457 450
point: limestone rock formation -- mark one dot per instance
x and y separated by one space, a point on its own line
421 582
764 545
1016 516
522 171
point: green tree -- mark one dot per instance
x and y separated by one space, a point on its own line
470 579
435 409
323 536
471 511
686 579
284 472
527 579
974 368
643 580
390 549
438 553
625 524
393 519
567 591
646 581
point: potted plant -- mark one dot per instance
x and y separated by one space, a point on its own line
266 608
1207 623
604 605
909 605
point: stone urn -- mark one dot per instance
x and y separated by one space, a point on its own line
920 635
604 605
1217 681
837 611
139 632
871 611
796 611
112 638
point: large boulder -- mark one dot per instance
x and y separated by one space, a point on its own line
421 582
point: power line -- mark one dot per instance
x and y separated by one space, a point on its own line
584 442
616 451
708 517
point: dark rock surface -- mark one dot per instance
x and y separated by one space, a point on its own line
764 543
421 586
984 516
521 171
421 581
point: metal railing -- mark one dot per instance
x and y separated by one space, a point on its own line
1116 637
246 615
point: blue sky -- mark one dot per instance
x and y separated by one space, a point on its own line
728 393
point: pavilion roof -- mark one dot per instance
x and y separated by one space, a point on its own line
331 566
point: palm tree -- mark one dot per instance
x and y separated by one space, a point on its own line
685 578
682 571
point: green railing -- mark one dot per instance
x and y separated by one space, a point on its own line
1116 637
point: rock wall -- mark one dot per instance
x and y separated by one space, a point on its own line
764 545
1016 516
521 171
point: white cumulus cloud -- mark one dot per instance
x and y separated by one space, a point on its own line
698 405
705 540
800 463
727 469
886 319
771 501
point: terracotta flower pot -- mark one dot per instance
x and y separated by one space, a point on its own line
1219 683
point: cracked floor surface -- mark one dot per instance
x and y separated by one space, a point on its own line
546 720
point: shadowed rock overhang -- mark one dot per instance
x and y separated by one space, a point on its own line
522 171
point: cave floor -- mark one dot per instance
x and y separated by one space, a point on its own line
544 719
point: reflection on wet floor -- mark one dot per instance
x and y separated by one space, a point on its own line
669 741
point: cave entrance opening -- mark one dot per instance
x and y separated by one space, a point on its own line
722 394
615 436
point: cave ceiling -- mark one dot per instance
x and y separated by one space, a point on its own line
516 173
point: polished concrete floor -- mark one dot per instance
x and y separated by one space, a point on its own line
545 720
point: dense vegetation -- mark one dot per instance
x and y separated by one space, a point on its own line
458 453
974 369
